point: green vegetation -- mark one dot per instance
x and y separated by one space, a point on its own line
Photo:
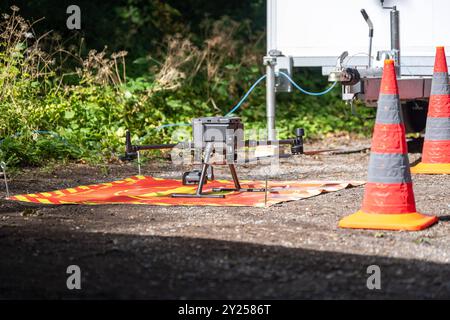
60 100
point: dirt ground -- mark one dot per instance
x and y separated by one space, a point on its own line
290 251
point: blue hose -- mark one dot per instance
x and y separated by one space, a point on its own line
290 80
245 96
305 91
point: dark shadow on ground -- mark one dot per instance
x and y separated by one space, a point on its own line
415 145
33 265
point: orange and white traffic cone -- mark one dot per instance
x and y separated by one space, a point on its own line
436 147
389 202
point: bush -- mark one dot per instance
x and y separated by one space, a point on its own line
56 104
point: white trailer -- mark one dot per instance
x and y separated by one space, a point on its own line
349 40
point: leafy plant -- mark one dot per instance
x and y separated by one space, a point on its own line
57 104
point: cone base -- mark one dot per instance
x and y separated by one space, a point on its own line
406 221
431 168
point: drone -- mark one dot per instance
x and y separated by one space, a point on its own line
216 137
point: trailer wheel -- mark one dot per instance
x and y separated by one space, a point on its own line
415 115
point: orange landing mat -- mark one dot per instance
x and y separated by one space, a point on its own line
157 191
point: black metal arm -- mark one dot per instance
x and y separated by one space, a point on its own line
131 150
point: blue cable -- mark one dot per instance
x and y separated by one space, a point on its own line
305 91
245 96
290 80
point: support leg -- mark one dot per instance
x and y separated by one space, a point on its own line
237 185
203 176
270 101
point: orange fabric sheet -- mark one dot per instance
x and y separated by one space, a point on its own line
157 191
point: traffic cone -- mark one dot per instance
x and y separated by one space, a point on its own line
389 198
436 147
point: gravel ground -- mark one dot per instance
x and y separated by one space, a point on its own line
289 251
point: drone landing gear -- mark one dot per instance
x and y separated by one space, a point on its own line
204 177
202 181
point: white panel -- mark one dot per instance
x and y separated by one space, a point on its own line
326 28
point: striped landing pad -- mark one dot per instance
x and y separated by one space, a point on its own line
157 191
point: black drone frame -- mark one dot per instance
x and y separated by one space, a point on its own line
200 177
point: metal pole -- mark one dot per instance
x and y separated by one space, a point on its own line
270 100
139 162
395 36
270 61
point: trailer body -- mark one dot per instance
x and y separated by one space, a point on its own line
304 33
315 33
